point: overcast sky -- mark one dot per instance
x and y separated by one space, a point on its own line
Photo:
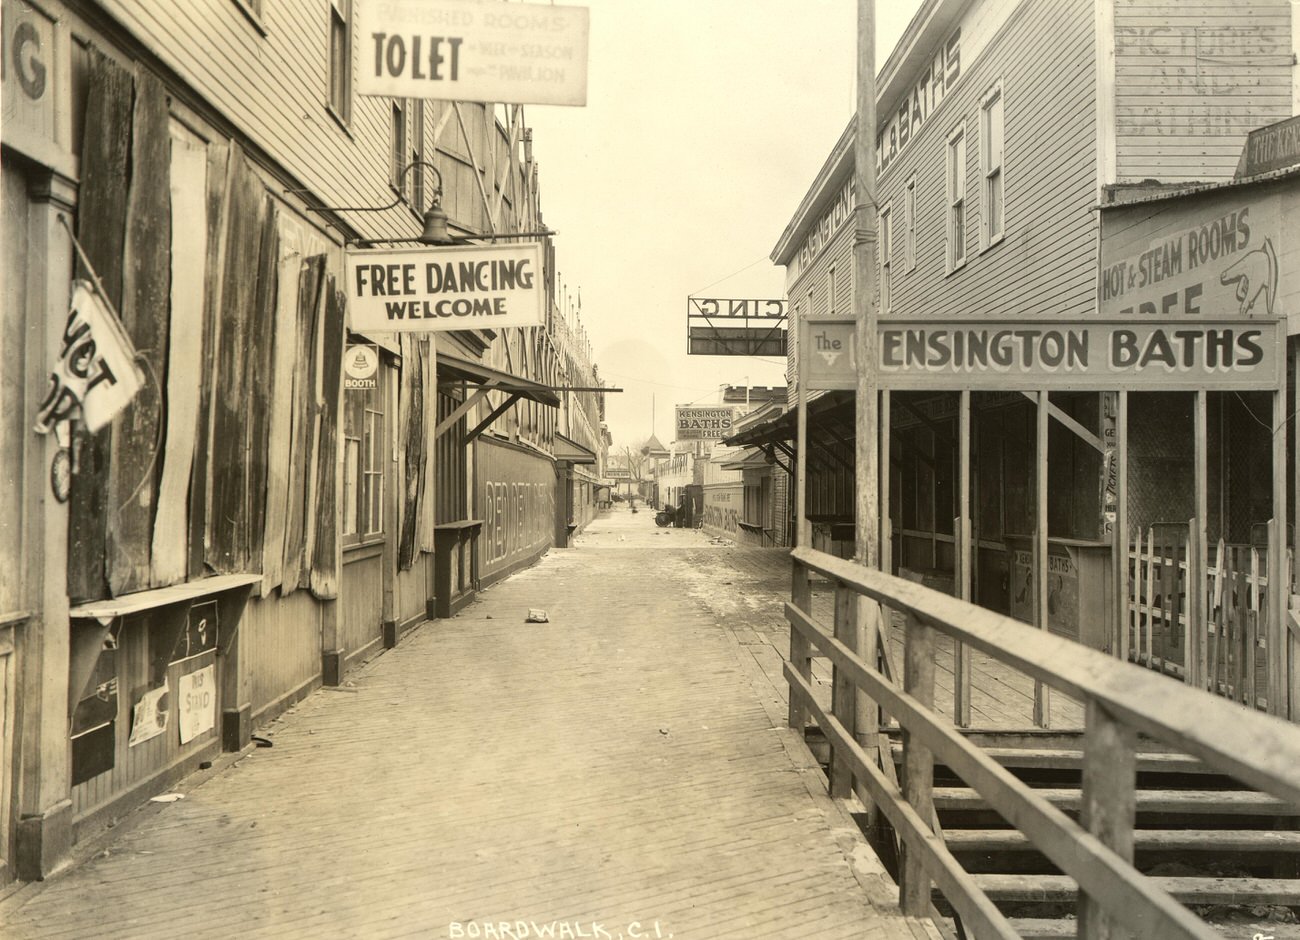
705 123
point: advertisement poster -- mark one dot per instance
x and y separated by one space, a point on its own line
149 717
197 699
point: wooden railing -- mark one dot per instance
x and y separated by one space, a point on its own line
1121 701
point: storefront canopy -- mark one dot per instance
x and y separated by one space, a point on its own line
453 371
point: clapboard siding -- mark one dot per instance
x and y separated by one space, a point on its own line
1044 266
1192 79
274 88
837 252
280 637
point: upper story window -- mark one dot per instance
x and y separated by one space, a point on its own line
886 257
909 224
398 141
340 71
991 137
956 177
416 135
830 290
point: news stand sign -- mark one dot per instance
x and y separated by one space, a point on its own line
426 290
1138 354
472 50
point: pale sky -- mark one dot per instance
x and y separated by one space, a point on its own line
706 121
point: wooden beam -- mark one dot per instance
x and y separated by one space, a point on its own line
1042 693
461 410
1279 594
478 169
886 446
496 412
1121 524
918 761
961 652
938 429
1109 805
1080 431
1197 549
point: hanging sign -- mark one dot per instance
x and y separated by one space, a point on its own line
828 352
96 368
474 287
361 367
704 424
473 50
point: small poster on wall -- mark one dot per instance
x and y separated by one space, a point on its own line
196 697
149 717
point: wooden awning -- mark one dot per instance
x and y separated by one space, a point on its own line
453 371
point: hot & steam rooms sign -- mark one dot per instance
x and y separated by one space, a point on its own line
475 287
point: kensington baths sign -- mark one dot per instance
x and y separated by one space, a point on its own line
422 290
1165 355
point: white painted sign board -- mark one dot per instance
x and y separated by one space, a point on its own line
197 694
423 290
472 50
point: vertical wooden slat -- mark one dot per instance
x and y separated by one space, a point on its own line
413 441
1121 527
327 557
918 762
259 376
301 429
961 652
800 597
843 691
188 192
1196 648
1109 804
1279 593
886 525
101 229
1042 694
1151 585
137 444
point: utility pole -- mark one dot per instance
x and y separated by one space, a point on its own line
867 629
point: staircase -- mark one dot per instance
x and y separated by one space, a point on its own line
1230 853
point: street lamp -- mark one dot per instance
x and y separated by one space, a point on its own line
435 230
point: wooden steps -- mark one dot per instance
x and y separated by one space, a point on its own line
1155 840
1065 759
1031 928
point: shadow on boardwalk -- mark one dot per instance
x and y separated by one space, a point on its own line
622 770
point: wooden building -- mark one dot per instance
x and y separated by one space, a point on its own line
1001 125
248 528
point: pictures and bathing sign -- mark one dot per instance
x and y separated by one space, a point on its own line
421 290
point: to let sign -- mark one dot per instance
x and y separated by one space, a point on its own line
473 50
421 290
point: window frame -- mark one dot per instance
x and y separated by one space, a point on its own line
955 189
909 224
830 291
338 77
991 175
885 224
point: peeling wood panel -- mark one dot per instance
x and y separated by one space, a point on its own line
301 430
326 559
425 504
101 228
189 250
137 431
412 431
228 523
1192 80
219 170
263 340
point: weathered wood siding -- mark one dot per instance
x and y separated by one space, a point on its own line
281 638
1045 264
1191 79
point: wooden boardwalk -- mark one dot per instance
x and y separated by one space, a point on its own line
620 771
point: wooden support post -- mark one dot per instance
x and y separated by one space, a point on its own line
1121 529
1279 586
886 526
961 668
918 762
1042 694
1194 650
800 653
1109 805
843 690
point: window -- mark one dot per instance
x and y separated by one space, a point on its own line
957 198
363 465
340 70
886 258
991 136
830 290
397 143
417 154
909 225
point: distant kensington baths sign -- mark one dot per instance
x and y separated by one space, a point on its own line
1145 354
473 287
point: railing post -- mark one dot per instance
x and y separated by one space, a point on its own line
918 762
800 658
843 691
1109 806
